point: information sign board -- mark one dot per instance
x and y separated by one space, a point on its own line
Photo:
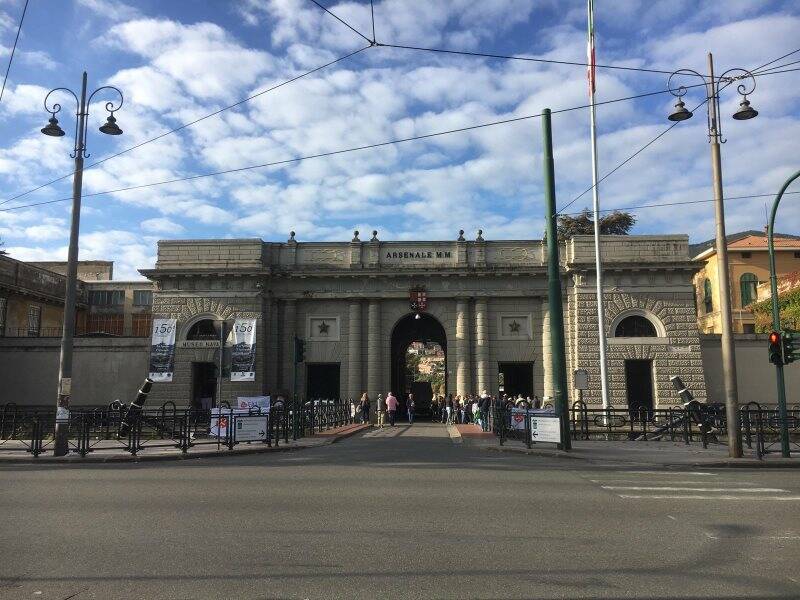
581 379
250 428
545 429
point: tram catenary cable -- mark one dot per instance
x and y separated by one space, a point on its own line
729 81
372 43
346 150
346 24
680 203
13 49
189 124
298 159
626 161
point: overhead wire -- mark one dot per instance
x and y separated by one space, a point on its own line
522 58
188 124
679 203
626 161
343 150
343 22
776 60
13 49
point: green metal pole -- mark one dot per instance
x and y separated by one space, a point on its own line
558 360
776 317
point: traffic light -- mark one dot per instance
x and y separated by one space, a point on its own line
299 350
775 348
791 351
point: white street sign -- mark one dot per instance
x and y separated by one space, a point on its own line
250 428
545 429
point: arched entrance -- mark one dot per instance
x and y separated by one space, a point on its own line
413 327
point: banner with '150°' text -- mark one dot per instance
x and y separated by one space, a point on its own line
162 350
243 353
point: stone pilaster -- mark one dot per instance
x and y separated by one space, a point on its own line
374 349
289 326
482 345
462 346
547 365
354 351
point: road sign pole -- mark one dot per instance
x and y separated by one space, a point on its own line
558 359
776 318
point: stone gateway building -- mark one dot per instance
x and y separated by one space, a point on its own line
484 302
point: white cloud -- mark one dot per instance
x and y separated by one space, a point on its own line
162 225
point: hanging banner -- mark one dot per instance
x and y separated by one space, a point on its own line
162 350
243 353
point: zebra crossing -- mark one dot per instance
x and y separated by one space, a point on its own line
689 486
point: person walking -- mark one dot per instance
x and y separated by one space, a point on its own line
364 407
381 410
449 410
391 407
485 405
410 408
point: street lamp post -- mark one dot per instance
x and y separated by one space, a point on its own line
52 129
715 138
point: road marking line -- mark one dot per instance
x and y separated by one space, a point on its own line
693 481
693 489
679 497
671 517
680 474
788 536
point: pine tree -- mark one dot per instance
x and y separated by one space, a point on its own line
615 223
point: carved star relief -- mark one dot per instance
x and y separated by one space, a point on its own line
514 327
323 328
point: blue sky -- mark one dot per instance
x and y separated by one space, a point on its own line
179 60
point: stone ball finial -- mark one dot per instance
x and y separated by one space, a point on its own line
355 236
291 236
480 236
374 235
461 235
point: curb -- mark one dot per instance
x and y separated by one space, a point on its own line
455 435
130 458
534 452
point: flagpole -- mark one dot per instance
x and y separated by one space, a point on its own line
601 326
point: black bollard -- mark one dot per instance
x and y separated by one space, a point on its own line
135 409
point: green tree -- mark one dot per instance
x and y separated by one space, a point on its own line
615 223
789 307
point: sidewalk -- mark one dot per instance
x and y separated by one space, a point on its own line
629 453
111 452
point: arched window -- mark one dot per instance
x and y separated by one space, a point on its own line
748 283
203 330
635 326
708 302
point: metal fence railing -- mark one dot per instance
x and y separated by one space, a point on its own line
112 428
696 423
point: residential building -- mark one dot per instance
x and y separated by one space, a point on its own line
748 261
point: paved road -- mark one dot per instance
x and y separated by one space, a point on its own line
400 513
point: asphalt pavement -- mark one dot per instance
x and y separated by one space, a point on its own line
396 513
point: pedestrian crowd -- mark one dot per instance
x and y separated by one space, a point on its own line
450 409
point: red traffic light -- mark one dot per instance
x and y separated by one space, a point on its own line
776 356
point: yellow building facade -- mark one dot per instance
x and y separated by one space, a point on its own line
748 262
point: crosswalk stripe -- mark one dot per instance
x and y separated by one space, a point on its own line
692 489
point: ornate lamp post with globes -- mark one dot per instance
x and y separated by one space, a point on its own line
746 85
110 127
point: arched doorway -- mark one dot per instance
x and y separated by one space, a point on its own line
425 329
